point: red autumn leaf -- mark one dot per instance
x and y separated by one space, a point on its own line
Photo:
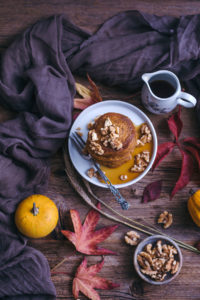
186 172
193 141
152 191
163 150
95 91
75 115
82 103
175 123
89 96
86 280
195 153
85 239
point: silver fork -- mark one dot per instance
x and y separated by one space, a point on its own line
80 144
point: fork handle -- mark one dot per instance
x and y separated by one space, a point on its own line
124 204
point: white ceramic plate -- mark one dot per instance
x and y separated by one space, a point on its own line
88 115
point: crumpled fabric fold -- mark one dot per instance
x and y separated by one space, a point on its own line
36 82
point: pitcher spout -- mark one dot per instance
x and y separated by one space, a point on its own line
146 77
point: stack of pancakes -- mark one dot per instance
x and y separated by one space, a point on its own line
111 140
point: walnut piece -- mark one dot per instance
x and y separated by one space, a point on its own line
145 135
110 135
90 125
136 169
91 172
94 136
132 238
107 122
79 133
145 156
104 130
96 147
145 129
158 261
166 219
139 143
116 144
141 161
123 177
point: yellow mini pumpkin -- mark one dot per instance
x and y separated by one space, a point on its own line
194 206
36 216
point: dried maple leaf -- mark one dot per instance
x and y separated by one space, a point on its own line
90 96
85 239
86 280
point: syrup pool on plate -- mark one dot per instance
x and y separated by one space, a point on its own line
114 173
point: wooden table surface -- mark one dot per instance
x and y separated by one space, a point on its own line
16 16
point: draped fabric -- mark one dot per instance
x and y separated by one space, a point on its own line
36 82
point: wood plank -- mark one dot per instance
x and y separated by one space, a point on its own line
89 15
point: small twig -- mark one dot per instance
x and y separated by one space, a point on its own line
59 273
59 264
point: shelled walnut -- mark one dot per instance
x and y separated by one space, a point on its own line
110 135
158 261
91 173
90 125
145 135
132 238
166 219
141 161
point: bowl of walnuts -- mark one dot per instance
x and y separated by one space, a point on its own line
158 259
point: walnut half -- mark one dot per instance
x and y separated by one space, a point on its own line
132 238
166 219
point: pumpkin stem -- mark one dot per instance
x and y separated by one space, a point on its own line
191 192
35 210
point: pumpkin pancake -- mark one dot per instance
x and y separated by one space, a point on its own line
111 140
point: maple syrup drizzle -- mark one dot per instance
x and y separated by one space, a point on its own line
114 173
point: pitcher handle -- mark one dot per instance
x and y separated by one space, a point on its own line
186 100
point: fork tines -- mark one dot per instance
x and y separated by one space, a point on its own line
79 139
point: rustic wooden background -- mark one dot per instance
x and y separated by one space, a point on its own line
15 16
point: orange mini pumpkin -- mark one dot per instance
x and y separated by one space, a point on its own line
36 216
194 206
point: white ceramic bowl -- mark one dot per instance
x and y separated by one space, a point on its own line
88 115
